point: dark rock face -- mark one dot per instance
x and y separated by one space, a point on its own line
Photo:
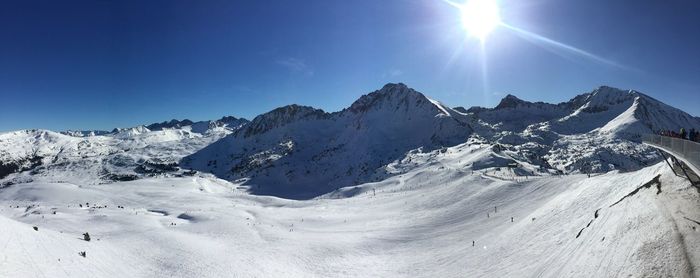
151 167
510 101
280 117
477 109
389 94
9 167
595 109
231 120
169 124
121 177
460 109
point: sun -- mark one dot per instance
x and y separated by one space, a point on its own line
480 17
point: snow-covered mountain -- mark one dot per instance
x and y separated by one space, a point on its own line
85 133
202 127
593 132
277 151
98 157
169 124
514 114
605 109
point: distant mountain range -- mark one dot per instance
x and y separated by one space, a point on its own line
300 152
198 127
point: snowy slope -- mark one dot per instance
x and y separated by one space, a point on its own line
418 223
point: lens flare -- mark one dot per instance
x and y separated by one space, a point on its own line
547 43
480 17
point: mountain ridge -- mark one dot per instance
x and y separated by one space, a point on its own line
359 136
374 138
199 126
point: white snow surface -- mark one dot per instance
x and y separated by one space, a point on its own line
420 223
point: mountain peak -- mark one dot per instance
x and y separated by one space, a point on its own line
130 131
609 90
229 119
396 93
295 110
174 123
509 96
612 92
282 116
509 101
394 87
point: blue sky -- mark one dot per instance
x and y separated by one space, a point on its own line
105 64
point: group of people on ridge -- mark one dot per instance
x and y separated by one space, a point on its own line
692 135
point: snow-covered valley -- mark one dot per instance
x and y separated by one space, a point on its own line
396 185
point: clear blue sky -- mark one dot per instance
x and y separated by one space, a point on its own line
104 64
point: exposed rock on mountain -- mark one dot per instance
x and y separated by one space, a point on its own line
169 124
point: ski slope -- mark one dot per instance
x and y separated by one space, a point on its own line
419 222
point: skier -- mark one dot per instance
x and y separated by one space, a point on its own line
86 236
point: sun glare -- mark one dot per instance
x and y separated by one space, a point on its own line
480 17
